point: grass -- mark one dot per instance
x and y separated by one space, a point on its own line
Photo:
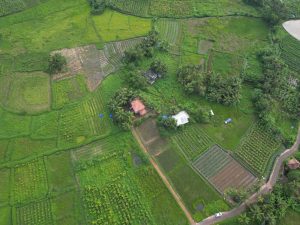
115 26
4 186
44 125
5 215
3 149
60 172
68 90
23 97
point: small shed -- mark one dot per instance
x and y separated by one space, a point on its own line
151 76
181 118
138 107
293 164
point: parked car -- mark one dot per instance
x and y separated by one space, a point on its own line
219 214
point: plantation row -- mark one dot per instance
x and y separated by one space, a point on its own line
291 52
136 7
192 141
222 170
257 148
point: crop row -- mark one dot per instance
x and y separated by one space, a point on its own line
35 213
257 148
136 7
291 52
30 181
192 141
212 161
115 203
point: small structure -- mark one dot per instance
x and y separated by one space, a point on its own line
293 164
138 107
229 120
181 118
151 76
211 112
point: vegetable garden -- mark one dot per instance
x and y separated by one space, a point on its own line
290 48
257 148
222 170
192 141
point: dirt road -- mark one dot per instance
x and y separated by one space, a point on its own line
266 188
164 178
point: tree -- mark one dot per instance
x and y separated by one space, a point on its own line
244 219
201 115
224 90
136 80
120 107
159 67
167 123
193 79
274 11
98 6
56 63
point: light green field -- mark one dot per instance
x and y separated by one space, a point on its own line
29 93
113 26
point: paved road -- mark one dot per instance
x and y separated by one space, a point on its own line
267 187
164 178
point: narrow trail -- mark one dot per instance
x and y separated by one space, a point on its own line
164 178
266 188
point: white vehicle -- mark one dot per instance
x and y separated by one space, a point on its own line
219 214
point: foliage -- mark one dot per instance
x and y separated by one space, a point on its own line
136 80
238 196
224 90
57 63
98 6
167 123
159 67
120 107
201 114
193 79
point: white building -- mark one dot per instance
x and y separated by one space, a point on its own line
181 118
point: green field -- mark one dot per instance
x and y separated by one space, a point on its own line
64 161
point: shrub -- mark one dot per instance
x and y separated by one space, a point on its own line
98 6
57 63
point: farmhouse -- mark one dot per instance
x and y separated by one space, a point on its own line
151 76
138 107
181 118
293 164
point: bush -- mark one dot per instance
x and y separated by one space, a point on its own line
168 123
57 63
98 6
159 67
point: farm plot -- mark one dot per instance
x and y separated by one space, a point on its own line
12 6
45 125
169 8
81 121
68 90
257 148
93 63
3 149
4 186
35 213
192 141
29 93
119 199
30 181
171 31
290 52
60 172
135 7
221 170
115 26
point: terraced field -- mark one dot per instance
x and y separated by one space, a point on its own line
171 31
257 148
192 141
136 7
291 52
221 170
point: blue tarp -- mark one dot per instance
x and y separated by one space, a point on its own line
229 120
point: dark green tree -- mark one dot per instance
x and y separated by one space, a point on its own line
159 67
56 63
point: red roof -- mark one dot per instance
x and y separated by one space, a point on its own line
138 107
293 164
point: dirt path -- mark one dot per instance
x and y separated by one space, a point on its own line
164 178
266 188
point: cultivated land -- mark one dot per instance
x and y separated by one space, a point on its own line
62 158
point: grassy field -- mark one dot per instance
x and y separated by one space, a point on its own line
64 161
